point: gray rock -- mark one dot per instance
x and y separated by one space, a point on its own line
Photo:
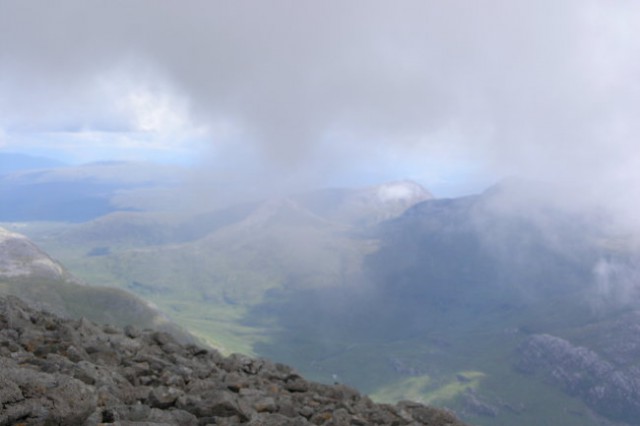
55 371
278 420
10 393
164 397
581 372
172 417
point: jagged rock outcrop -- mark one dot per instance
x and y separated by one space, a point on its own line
611 391
74 372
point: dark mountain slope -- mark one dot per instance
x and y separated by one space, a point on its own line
456 287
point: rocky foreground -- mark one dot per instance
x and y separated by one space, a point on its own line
56 371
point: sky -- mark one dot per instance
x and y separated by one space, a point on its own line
294 94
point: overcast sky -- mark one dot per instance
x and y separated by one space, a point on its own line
319 92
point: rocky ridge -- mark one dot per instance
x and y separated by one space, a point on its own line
609 389
21 257
57 371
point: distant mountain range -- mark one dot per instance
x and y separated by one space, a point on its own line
38 189
467 303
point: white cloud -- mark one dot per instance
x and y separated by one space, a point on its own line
127 112
548 89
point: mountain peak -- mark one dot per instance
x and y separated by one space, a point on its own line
21 257
364 206
282 211
404 190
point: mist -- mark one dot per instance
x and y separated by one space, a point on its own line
272 99
288 95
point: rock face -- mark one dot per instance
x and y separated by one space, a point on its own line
611 391
73 372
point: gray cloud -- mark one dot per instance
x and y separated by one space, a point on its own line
544 89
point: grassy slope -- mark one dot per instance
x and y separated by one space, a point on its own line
100 304
482 351
209 285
